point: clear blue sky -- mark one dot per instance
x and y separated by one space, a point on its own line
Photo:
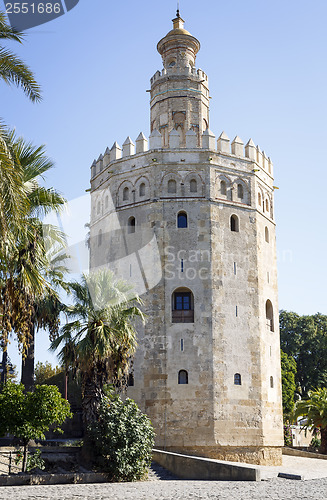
266 62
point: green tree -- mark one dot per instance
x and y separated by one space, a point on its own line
288 366
100 340
305 339
29 415
44 371
13 70
30 276
314 409
124 438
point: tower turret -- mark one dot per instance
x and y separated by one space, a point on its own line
180 93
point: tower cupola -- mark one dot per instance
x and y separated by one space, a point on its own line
178 48
179 93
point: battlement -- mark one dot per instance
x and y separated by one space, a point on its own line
222 145
197 74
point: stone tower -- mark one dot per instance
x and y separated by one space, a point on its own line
189 221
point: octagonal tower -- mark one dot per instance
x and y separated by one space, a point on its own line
190 222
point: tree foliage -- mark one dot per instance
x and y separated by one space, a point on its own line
29 415
124 438
314 409
100 340
288 366
13 70
304 338
44 371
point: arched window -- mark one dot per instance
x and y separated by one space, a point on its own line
259 199
193 186
240 191
182 377
126 194
142 189
237 379
131 225
98 207
106 202
269 315
182 220
234 224
182 306
100 238
267 234
272 382
267 206
223 188
130 381
172 186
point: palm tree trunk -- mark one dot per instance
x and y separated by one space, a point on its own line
27 378
92 395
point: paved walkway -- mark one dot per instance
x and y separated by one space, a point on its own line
163 486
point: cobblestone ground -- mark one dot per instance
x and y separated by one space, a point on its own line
163 486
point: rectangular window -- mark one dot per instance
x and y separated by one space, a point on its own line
182 345
236 312
268 276
234 267
182 265
183 301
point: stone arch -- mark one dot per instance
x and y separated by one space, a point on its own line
142 185
182 305
121 190
171 176
193 176
223 185
241 191
270 316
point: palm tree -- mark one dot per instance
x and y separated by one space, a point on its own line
314 410
12 69
28 275
100 340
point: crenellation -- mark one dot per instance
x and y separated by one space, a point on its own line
208 140
174 139
128 147
237 146
115 152
223 143
141 143
106 157
250 150
259 157
155 140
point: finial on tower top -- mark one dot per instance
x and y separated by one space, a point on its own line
177 13
178 22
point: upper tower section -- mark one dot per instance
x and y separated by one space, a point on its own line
180 93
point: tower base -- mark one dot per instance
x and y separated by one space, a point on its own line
258 455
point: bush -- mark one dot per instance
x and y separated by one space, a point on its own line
123 438
288 441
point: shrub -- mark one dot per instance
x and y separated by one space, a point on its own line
123 438
287 435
